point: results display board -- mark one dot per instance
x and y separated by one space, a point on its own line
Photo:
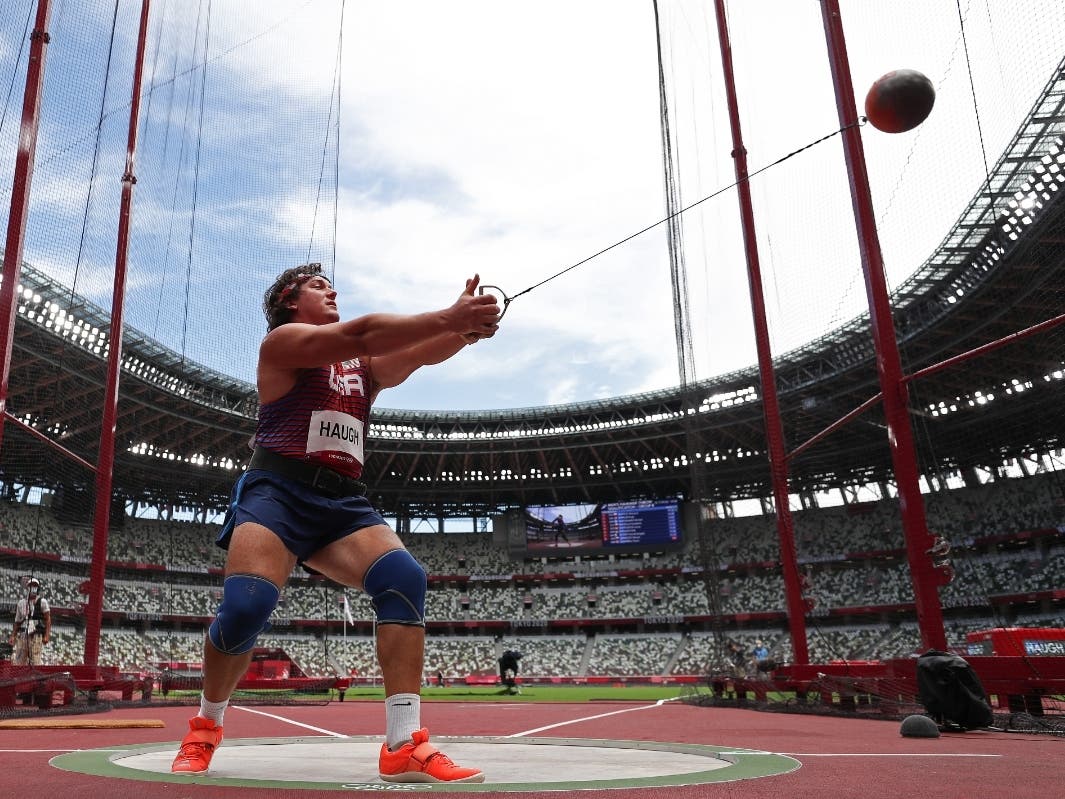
640 523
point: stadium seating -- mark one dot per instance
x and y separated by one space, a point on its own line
1006 537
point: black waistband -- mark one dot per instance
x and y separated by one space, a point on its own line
321 478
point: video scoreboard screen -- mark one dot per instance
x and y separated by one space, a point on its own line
640 523
632 525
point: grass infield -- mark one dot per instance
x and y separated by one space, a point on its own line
477 693
534 693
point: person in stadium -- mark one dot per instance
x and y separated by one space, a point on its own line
300 501
508 671
760 651
737 656
760 657
33 626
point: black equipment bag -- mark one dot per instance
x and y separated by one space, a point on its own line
951 691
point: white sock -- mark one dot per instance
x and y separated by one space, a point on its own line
213 710
403 714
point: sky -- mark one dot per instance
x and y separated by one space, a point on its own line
513 140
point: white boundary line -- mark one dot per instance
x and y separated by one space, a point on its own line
289 721
30 751
659 703
881 754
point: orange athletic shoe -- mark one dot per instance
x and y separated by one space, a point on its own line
194 756
422 762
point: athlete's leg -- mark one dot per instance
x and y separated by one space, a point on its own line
400 647
257 566
375 560
253 550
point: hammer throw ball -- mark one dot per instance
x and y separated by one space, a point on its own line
900 101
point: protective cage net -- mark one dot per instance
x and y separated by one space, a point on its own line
232 186
983 243
236 169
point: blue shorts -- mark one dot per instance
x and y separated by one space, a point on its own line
304 519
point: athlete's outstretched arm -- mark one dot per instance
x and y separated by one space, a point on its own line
300 345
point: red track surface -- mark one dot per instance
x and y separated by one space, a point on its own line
840 757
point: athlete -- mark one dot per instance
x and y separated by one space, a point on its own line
560 529
300 501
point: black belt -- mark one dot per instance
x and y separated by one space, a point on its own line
322 478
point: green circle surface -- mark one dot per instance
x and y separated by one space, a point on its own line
742 764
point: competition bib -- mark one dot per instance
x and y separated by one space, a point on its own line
335 431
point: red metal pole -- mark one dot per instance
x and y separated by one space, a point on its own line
836 425
774 430
923 574
20 197
983 349
33 431
991 346
105 465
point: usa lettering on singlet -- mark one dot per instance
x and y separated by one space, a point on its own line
323 419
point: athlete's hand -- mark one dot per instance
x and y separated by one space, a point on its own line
473 338
474 316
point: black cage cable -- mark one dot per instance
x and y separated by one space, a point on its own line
507 299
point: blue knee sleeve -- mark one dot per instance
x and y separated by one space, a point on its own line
396 585
247 602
